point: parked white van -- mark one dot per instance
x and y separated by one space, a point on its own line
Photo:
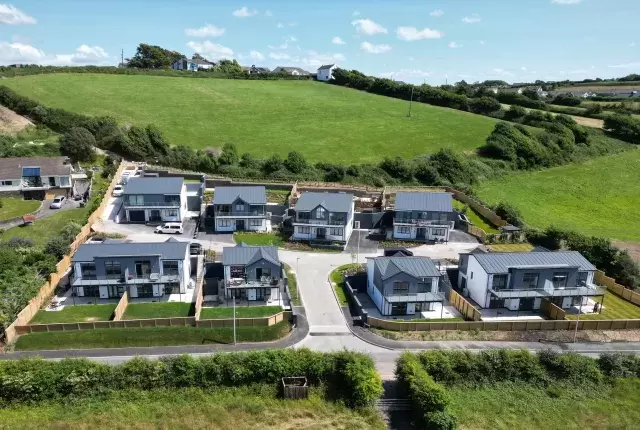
170 227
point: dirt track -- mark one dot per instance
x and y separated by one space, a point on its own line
11 122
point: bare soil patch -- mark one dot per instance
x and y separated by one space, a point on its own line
11 122
631 247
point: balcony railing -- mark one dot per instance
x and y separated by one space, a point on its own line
152 278
419 222
265 282
173 204
321 221
35 184
240 214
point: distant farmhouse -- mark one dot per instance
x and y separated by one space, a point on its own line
192 65
293 71
325 73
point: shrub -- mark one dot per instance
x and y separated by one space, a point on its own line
571 367
623 126
566 100
619 365
509 213
58 246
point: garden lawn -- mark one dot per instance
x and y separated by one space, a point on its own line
237 408
337 279
13 207
476 218
148 336
511 247
241 312
615 308
71 314
135 311
323 122
292 284
259 239
277 196
520 406
598 197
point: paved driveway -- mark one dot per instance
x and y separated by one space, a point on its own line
366 244
459 236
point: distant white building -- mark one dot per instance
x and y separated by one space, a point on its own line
325 73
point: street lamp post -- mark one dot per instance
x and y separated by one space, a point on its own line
297 279
575 333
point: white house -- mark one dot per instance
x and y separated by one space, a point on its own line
423 216
192 64
240 208
155 200
293 71
36 178
325 73
323 217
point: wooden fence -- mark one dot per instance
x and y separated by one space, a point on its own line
46 291
198 293
551 310
464 307
122 306
244 322
486 213
616 288
140 323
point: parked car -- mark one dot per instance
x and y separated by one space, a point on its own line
195 248
118 190
57 202
169 227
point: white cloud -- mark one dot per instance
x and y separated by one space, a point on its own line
502 72
268 13
368 27
565 1
482 42
244 12
208 30
292 24
315 59
211 51
280 25
632 44
337 41
633 64
374 49
24 53
85 55
411 59
279 55
356 13
437 12
291 39
19 53
284 45
13 16
472 19
454 45
406 74
412 33
524 69
255 55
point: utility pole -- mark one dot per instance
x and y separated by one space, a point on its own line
234 319
298 279
575 333
357 226
122 57
410 101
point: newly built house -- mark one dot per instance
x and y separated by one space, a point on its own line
154 200
423 216
106 270
323 217
192 64
520 280
36 178
325 73
402 285
240 208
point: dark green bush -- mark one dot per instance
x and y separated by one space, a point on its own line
571 367
619 365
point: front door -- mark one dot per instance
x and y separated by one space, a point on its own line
399 309
526 303
321 233
421 233
154 215
239 224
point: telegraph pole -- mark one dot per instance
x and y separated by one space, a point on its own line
410 101
122 57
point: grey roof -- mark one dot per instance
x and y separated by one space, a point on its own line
418 267
193 187
328 66
500 262
169 250
255 195
286 69
333 202
424 201
244 255
154 186
11 168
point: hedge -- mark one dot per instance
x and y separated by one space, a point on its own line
348 376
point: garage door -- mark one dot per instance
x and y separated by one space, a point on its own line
136 216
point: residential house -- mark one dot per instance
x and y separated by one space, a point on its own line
402 285
252 273
253 70
294 71
325 73
423 216
154 200
106 270
323 217
240 208
36 178
520 280
192 64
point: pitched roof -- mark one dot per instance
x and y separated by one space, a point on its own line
500 262
244 255
169 250
424 201
333 202
280 69
154 186
328 66
254 195
418 267
11 168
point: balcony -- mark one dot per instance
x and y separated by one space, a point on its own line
172 204
265 282
241 214
547 291
417 297
152 278
321 221
34 184
420 222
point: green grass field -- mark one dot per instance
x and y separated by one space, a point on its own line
598 197
323 122
14 207
476 218
135 311
151 336
615 308
241 312
292 283
70 314
259 239
337 277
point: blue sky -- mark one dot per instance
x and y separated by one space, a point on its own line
413 41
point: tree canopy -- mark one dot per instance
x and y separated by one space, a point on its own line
153 57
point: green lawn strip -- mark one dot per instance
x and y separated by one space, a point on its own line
292 283
511 247
511 406
587 197
135 311
277 196
71 314
151 336
258 239
476 218
13 207
239 408
454 319
275 116
615 308
337 278
241 312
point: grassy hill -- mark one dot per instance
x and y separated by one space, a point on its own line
599 197
324 122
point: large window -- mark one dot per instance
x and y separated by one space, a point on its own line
6 183
145 290
225 222
135 200
581 280
400 288
424 286
112 269
255 222
237 271
530 281
239 207
170 268
444 218
499 282
172 288
335 231
143 269
171 212
88 270
439 231
304 230
404 230
560 280
91 291
320 213
64 181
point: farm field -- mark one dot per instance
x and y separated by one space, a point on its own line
598 197
582 120
604 85
323 122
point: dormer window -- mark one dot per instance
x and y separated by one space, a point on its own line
320 213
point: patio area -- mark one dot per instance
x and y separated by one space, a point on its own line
440 311
507 315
